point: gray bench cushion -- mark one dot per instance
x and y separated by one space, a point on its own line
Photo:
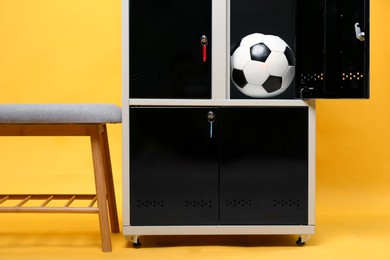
59 113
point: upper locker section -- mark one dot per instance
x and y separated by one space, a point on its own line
248 49
170 49
286 49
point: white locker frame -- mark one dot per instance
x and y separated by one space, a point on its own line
220 97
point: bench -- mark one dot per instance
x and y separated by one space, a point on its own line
68 120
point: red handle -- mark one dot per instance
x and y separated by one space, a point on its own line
204 53
203 42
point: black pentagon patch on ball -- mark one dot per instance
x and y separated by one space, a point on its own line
235 48
260 52
239 78
290 56
272 84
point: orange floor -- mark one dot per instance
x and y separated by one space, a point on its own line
349 226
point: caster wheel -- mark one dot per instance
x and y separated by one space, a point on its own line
300 242
137 244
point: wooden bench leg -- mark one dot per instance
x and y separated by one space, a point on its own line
112 208
100 182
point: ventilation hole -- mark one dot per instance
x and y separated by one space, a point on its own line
145 77
286 203
192 78
310 77
238 203
351 76
150 203
198 204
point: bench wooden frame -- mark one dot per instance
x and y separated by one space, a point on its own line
105 193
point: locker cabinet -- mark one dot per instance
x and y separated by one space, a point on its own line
218 136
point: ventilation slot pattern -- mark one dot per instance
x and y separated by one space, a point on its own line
153 77
310 77
150 204
193 78
352 76
287 203
238 203
198 204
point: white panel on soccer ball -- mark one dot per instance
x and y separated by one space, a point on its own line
240 57
274 43
288 77
277 64
254 91
252 39
256 73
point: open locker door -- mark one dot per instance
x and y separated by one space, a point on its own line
332 49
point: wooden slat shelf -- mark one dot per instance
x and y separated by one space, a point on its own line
48 199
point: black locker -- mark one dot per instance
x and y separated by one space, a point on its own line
166 49
212 161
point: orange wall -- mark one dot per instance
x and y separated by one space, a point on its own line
58 51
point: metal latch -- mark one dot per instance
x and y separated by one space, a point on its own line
361 36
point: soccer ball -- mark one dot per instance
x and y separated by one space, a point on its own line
262 65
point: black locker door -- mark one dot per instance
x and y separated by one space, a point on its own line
167 58
332 49
264 166
173 166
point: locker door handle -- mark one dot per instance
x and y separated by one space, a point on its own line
361 36
204 41
211 119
